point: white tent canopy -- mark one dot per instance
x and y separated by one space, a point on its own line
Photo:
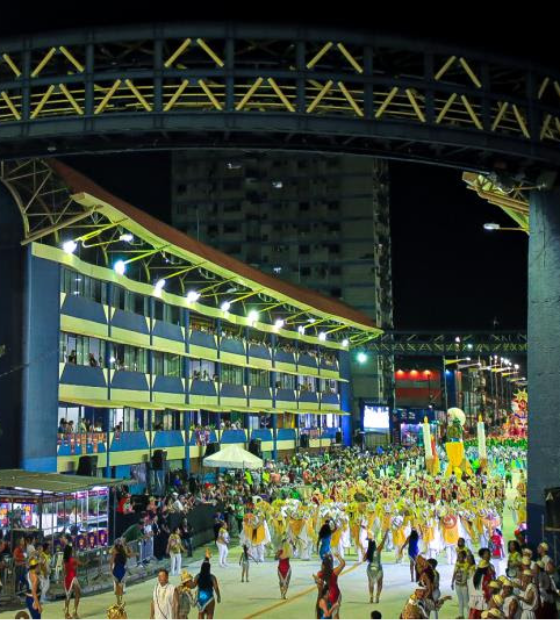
233 457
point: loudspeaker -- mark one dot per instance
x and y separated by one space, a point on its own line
255 447
212 448
552 508
304 440
87 466
158 459
338 438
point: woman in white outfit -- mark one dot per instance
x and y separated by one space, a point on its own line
223 542
459 583
175 549
529 598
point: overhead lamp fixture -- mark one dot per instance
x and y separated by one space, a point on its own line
120 267
491 226
226 305
70 246
279 323
301 329
128 237
192 296
253 316
345 342
362 357
322 336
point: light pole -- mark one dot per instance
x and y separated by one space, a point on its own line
491 226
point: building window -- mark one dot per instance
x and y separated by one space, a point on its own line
81 350
73 283
285 381
167 364
203 370
259 378
232 374
129 420
130 302
126 357
168 420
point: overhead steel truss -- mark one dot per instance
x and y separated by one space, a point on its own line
202 85
470 344
52 214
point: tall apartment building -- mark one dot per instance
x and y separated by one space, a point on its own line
318 220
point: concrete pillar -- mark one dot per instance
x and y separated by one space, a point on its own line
543 332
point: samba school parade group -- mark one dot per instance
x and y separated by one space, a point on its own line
416 509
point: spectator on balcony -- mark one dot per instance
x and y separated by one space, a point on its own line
196 375
205 376
70 427
62 426
83 426
73 358
92 361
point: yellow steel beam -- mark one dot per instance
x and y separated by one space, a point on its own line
445 108
557 87
107 97
210 52
445 67
71 99
470 72
138 95
210 95
177 53
11 64
72 58
248 94
521 122
350 99
471 112
43 62
10 105
545 131
176 96
502 108
415 105
350 58
381 110
319 96
41 103
542 88
56 227
281 95
319 55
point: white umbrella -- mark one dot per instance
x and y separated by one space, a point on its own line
233 457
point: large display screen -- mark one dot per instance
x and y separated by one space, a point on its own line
376 419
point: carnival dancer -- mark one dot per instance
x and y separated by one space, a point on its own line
529 597
284 570
175 550
328 577
511 606
185 595
412 541
324 539
374 568
244 560
71 583
222 542
208 593
33 590
459 582
450 531
119 557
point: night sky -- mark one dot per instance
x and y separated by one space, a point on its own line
448 272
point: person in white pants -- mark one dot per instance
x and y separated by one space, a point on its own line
175 549
223 542
459 582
